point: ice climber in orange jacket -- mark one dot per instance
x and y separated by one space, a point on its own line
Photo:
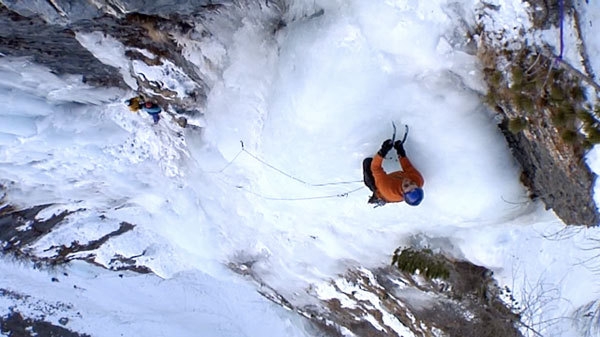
405 185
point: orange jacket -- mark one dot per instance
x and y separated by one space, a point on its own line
389 186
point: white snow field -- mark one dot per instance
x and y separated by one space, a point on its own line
308 104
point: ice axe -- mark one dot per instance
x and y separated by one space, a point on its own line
394 134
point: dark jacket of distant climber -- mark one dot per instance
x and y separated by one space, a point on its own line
137 103
153 110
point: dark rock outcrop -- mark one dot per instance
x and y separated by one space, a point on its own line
20 229
544 115
70 11
561 179
15 325
45 31
53 46
387 302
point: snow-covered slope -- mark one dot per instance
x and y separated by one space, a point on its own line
308 103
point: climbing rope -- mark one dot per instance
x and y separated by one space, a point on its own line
339 195
292 177
561 17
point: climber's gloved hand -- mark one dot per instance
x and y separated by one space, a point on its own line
399 146
385 147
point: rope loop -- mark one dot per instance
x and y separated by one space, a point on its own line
340 195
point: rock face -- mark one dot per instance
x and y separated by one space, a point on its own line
70 11
546 119
388 302
20 229
561 179
15 325
46 44
45 31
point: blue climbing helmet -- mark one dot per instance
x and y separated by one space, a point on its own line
414 197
